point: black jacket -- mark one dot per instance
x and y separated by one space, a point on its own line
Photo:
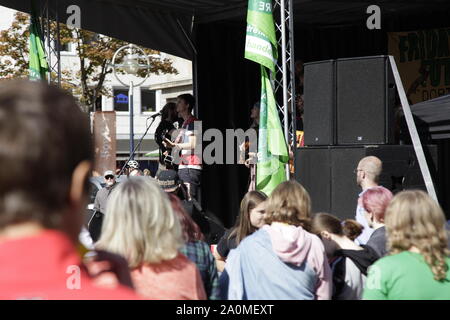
363 259
161 132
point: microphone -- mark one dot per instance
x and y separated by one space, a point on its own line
155 115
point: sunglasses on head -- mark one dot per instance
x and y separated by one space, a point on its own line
109 177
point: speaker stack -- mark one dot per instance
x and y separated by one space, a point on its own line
348 115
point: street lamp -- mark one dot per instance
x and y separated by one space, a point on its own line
131 66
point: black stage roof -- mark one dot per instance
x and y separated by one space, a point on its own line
157 24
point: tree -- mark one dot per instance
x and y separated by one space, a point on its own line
94 51
14 48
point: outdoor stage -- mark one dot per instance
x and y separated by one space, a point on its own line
226 84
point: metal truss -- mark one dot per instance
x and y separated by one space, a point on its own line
284 82
49 12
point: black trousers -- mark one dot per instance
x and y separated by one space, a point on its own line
193 177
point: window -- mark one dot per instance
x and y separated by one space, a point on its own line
148 100
120 99
66 47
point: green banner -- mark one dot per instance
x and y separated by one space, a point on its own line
260 41
272 149
261 47
38 62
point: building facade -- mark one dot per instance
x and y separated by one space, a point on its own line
148 98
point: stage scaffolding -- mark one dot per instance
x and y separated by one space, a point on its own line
284 83
48 12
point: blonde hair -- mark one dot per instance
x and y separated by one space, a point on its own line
139 223
289 203
414 219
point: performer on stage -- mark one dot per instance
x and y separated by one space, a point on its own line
250 158
163 131
190 167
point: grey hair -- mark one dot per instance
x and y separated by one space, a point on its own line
140 224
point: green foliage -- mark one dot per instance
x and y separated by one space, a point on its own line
14 48
94 51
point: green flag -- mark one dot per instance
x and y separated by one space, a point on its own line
260 41
261 47
38 62
272 149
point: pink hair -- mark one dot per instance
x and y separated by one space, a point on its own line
376 200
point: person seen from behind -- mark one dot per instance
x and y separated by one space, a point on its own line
46 145
374 202
281 260
197 250
352 228
418 264
348 280
141 226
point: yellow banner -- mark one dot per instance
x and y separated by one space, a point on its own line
423 60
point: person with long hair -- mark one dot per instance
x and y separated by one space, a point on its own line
164 130
197 250
141 226
348 280
418 265
250 219
281 260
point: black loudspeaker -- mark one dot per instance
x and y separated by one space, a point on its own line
313 170
319 116
328 173
365 101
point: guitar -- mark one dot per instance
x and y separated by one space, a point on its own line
168 158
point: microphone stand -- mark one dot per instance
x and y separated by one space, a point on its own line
137 147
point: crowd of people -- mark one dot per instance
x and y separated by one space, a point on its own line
151 248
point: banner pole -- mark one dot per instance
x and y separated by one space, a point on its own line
284 75
413 132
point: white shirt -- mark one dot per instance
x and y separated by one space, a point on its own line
360 217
